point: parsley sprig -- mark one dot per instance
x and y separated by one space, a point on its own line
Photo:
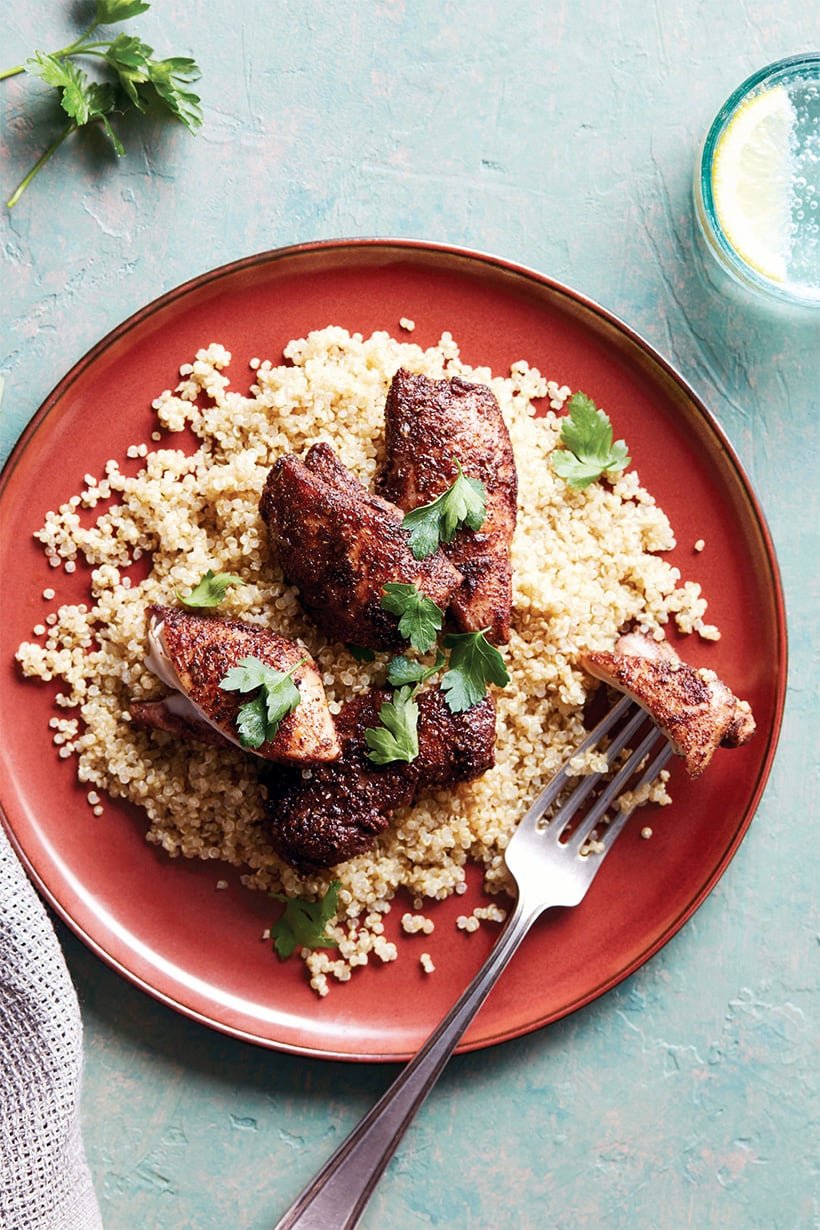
420 619
589 452
303 924
462 504
135 79
259 719
474 663
210 591
397 738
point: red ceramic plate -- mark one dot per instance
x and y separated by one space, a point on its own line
161 923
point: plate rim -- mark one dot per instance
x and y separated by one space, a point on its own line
395 245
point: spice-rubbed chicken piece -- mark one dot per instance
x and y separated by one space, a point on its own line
341 545
339 810
191 654
693 708
430 425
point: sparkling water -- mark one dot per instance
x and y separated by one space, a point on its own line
794 248
803 260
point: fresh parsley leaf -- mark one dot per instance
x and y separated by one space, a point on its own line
402 671
420 619
464 503
170 79
210 591
82 100
73 84
252 721
259 719
397 738
130 58
101 98
474 663
303 923
249 674
589 452
281 699
53 71
360 654
423 524
111 12
129 52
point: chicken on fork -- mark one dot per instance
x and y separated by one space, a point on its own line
340 546
431 425
693 708
191 654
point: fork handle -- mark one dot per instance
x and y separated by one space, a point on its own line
336 1197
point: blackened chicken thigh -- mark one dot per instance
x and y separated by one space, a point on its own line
431 425
340 546
191 654
336 811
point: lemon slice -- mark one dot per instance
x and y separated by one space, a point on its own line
752 175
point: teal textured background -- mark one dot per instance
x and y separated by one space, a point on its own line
563 136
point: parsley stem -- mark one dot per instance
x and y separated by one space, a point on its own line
81 49
39 164
72 47
12 72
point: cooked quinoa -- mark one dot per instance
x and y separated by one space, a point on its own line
585 565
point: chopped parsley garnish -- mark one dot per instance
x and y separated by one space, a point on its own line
420 619
259 719
588 451
474 663
210 591
303 923
397 738
403 671
464 503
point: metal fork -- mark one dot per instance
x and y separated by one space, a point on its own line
553 864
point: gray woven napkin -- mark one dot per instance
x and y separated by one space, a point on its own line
44 1178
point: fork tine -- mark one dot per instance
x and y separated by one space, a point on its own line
649 774
587 784
558 783
612 789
